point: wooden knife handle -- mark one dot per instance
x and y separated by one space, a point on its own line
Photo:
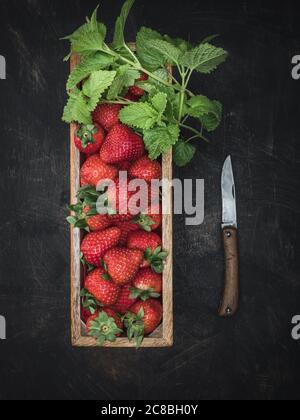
230 302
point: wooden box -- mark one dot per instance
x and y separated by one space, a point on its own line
163 336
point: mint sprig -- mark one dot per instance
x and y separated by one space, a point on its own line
167 110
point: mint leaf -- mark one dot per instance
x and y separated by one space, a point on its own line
200 106
183 153
160 139
150 58
93 21
82 103
76 110
162 74
125 77
148 87
140 115
96 85
180 43
90 63
205 58
212 120
119 41
88 42
170 54
159 101
89 37
209 112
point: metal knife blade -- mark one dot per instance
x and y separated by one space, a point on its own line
230 301
229 218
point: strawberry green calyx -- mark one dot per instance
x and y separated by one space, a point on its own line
104 328
106 275
134 323
143 294
79 219
86 134
89 196
89 302
89 267
85 207
156 259
145 222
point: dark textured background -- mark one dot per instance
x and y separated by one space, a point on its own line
251 356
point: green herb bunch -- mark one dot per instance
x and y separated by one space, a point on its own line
164 112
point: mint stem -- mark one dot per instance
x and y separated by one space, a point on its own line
193 130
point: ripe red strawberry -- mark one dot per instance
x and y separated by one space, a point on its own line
143 319
131 97
96 244
145 168
121 144
126 228
119 200
85 315
125 300
123 264
150 243
97 222
104 290
94 171
136 90
120 218
143 240
124 166
150 219
107 115
84 218
147 284
83 181
89 138
105 325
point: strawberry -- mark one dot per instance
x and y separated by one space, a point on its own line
83 181
143 240
89 138
85 315
125 300
124 166
94 171
131 98
87 218
122 264
105 325
145 168
96 244
150 243
147 284
119 200
126 228
89 303
136 90
150 220
121 218
107 115
98 222
143 319
121 144
103 289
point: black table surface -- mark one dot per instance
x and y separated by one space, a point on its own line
249 357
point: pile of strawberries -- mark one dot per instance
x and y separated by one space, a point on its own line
122 253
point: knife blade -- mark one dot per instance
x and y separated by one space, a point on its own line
230 300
